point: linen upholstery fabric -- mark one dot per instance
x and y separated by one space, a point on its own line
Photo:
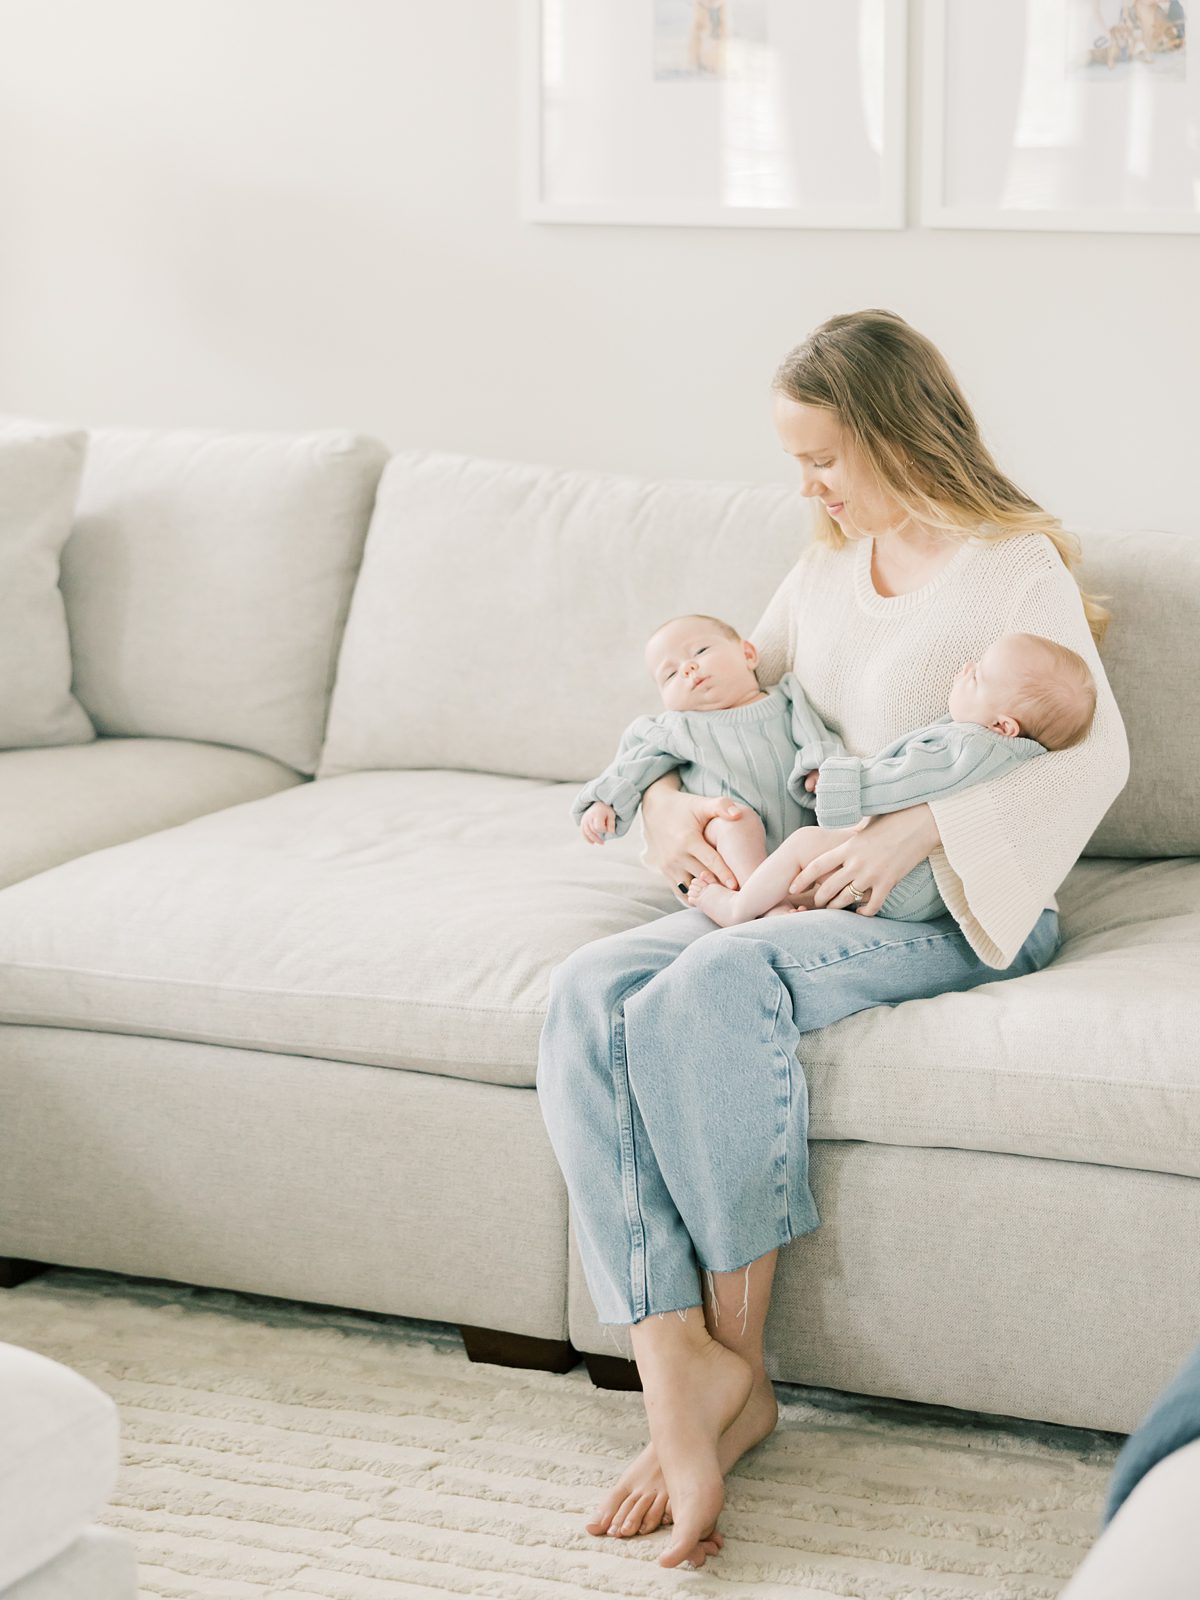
40 468
58 1462
970 1279
401 1192
60 803
1150 656
208 578
411 920
502 609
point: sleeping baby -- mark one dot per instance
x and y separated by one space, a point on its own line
1025 695
724 734
769 751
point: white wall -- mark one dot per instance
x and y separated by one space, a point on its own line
301 213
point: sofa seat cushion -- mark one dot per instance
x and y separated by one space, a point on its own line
1095 1058
400 919
411 920
61 802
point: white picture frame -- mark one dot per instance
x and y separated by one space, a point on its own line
622 122
1031 122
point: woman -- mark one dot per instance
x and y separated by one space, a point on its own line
667 1072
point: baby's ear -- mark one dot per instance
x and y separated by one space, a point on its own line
1008 726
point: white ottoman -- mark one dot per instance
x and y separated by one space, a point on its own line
59 1454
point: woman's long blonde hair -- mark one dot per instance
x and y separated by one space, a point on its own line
896 398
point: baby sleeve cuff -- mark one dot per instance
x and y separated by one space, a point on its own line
612 791
839 794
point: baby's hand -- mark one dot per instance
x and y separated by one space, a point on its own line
596 821
810 783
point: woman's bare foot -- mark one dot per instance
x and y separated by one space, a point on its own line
692 1390
639 1503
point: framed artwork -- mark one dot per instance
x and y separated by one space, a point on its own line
759 113
1066 114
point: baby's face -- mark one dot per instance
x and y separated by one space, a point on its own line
697 668
990 688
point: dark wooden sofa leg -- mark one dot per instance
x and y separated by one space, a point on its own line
612 1372
518 1350
14 1271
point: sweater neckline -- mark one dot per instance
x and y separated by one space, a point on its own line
886 605
755 711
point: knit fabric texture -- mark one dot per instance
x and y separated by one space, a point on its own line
750 753
876 666
940 759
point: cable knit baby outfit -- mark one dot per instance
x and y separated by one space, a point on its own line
925 765
875 666
747 752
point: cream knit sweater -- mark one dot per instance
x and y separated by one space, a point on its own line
875 667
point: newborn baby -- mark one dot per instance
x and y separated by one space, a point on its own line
726 735
1025 695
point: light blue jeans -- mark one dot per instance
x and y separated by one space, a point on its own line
669 1085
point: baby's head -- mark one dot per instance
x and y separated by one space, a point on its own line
1024 684
701 664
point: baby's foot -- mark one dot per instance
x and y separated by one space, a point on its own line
717 902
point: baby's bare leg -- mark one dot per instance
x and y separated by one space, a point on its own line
764 891
742 841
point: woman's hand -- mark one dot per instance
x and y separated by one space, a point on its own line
673 824
873 856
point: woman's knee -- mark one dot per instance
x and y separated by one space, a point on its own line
602 970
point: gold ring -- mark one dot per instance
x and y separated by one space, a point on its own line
859 894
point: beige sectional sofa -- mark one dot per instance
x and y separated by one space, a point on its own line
276 929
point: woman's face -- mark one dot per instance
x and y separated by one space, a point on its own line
832 470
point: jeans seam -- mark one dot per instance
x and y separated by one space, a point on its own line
619 1062
787 1110
866 950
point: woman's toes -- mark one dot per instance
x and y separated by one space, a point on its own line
603 1520
631 1522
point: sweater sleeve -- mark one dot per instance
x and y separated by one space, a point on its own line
935 761
643 755
1006 845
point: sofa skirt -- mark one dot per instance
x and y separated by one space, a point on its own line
324 1181
1056 1291
1017 1285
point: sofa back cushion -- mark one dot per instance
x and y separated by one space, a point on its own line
40 467
207 582
500 614
1151 653
498 622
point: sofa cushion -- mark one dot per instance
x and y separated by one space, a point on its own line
40 469
207 582
60 803
59 1457
1149 654
464 647
411 919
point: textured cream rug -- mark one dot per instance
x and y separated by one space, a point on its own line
277 1448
